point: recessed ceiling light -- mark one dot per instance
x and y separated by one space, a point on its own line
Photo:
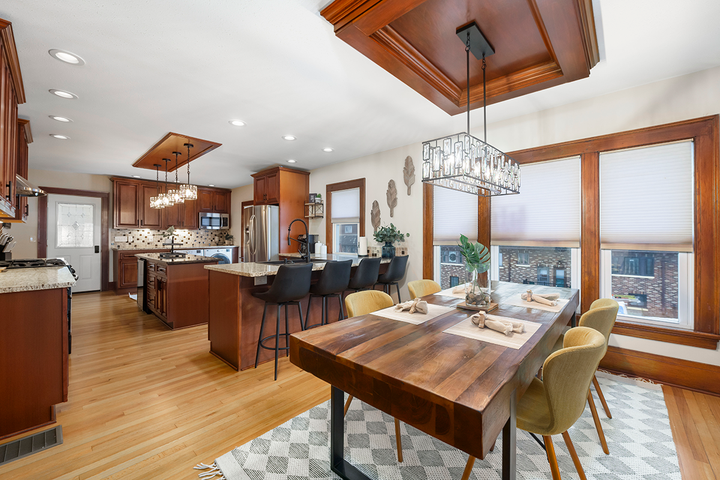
136 176
292 161
60 119
211 185
62 93
67 57
237 123
289 138
59 137
327 149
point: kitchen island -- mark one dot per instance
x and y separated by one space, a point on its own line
235 314
33 346
176 289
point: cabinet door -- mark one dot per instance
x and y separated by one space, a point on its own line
205 200
190 215
260 197
221 202
125 204
172 216
272 188
150 217
128 273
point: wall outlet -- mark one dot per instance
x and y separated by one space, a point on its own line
121 239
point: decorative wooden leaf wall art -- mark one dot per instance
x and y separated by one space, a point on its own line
375 215
409 173
392 196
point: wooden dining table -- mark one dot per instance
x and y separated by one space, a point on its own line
460 390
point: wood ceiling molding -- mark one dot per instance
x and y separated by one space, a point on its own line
538 43
173 142
7 42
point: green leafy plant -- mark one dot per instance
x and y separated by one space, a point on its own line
229 237
389 234
476 255
169 232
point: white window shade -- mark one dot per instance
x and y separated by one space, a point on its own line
345 205
646 197
455 214
547 209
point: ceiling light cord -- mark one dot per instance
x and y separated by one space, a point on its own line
484 102
467 84
176 167
188 145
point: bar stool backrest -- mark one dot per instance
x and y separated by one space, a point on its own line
334 278
395 271
366 274
291 284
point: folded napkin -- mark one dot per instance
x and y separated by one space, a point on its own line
458 289
413 306
543 298
503 326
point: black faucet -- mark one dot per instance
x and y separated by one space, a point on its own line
305 255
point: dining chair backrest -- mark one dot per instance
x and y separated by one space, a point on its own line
366 274
601 318
395 271
567 374
603 302
367 301
420 288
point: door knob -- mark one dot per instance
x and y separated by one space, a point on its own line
97 248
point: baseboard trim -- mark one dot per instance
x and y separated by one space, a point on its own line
696 376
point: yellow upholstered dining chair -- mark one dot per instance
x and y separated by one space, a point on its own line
362 303
420 288
552 405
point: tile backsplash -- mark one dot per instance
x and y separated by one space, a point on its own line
145 238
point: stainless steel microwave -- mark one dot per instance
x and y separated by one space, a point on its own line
214 221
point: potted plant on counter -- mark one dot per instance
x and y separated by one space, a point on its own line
229 239
389 235
477 263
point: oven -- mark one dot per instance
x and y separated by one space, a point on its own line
214 221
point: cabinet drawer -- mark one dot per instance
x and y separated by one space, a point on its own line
150 267
161 270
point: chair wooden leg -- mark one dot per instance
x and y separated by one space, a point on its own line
550 449
347 404
598 425
468 468
602 397
398 439
574 455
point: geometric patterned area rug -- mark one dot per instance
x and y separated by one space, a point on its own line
638 436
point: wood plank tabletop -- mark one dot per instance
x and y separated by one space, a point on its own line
454 388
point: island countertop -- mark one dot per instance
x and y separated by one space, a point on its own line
155 257
252 269
123 247
26 279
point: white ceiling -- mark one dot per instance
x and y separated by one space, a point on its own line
189 66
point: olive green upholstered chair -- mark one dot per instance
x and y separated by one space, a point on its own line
363 303
552 405
420 288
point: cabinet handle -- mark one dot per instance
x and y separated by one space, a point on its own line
27 210
9 187
141 223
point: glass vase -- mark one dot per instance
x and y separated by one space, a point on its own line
388 250
477 289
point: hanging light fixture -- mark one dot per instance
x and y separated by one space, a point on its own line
188 191
155 201
164 199
174 193
463 162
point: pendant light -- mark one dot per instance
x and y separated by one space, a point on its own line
174 193
164 198
463 162
155 201
188 191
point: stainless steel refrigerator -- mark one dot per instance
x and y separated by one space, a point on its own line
261 233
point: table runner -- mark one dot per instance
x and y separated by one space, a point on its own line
514 340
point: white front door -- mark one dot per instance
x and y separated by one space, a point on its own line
73 234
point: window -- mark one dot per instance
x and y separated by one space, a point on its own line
346 207
74 225
646 231
537 265
455 213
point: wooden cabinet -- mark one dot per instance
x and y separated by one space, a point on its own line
126 197
205 200
24 137
213 200
149 217
267 188
125 272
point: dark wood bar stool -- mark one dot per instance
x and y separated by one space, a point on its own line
334 280
366 274
291 284
394 273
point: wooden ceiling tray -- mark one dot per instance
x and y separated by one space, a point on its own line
173 142
538 44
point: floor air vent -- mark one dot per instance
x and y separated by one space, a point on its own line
31 444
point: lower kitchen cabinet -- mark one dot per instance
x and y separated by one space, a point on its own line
125 272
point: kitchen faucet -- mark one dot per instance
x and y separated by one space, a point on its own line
305 255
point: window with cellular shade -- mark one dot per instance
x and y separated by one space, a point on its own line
547 209
455 214
646 197
345 206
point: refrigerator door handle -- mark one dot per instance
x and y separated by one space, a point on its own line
252 239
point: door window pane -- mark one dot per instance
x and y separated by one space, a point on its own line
75 226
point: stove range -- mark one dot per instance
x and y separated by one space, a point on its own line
37 263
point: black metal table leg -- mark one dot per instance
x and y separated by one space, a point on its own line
573 321
338 464
509 443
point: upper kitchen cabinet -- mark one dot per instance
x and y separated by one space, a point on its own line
126 200
267 187
24 137
12 94
213 200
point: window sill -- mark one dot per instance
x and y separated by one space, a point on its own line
646 277
523 265
668 335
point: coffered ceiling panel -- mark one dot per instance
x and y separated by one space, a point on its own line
538 44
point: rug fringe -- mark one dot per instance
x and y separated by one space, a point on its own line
214 471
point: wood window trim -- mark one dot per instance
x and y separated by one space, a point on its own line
104 227
334 187
705 132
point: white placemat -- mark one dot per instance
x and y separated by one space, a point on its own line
414 318
448 292
517 301
514 340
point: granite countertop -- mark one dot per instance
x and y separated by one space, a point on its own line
252 269
26 279
133 247
155 257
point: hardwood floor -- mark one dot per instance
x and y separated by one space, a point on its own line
146 402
